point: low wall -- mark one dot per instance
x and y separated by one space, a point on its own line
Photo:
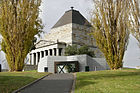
83 60
30 67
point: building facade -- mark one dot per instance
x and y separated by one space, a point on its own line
72 28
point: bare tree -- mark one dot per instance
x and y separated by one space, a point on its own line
111 23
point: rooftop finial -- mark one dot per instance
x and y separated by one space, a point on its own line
72 8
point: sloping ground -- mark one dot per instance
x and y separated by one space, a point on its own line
119 81
54 83
10 81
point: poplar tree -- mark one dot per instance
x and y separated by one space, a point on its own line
19 23
111 23
135 18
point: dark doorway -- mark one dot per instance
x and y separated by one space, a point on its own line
66 67
45 69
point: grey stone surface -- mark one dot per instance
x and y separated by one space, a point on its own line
71 29
83 60
102 62
54 83
30 67
74 34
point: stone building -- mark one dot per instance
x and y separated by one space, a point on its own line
72 28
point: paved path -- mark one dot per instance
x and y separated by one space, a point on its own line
54 83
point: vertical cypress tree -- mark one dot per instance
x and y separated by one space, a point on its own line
111 29
135 18
19 23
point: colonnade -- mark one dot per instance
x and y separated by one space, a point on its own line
36 56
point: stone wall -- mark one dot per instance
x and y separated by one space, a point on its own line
74 34
84 60
102 62
71 33
81 35
30 67
62 33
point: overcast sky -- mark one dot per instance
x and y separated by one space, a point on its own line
52 10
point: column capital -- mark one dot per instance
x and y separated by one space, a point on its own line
36 58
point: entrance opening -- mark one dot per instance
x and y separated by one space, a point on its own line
45 69
86 68
66 67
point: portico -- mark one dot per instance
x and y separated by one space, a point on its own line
48 49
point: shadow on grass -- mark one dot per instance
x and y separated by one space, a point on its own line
87 78
10 83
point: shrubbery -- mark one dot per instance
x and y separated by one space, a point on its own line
74 50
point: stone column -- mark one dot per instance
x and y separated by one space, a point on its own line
36 58
53 50
63 52
32 62
44 53
33 58
48 52
57 52
40 54
30 59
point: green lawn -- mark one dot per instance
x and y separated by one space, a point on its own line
10 81
119 81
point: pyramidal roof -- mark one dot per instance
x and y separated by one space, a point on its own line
72 16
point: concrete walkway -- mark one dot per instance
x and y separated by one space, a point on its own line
54 83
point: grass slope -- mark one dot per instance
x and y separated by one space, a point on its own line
10 81
119 81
